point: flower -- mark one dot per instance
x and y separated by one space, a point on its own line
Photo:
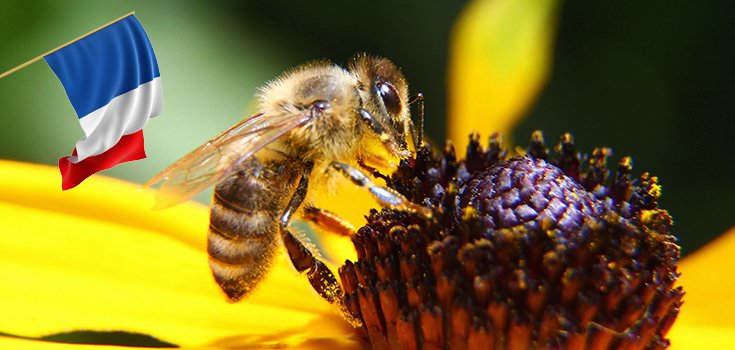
537 251
98 259
70 263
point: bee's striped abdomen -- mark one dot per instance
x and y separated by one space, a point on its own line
243 224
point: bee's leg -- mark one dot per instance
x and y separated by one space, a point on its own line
328 221
303 259
363 162
385 196
321 278
417 130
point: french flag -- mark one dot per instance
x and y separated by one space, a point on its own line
112 80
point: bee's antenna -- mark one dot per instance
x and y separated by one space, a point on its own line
417 130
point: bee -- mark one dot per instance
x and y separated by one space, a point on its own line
315 120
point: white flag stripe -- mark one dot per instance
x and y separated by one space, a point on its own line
124 115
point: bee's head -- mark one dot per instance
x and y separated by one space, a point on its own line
384 93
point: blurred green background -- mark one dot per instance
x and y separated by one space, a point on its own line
652 80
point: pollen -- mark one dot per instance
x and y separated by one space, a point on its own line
533 249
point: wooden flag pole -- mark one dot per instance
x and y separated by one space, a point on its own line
26 64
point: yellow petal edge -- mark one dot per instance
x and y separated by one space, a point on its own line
499 59
27 344
707 318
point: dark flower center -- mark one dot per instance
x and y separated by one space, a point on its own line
523 252
529 190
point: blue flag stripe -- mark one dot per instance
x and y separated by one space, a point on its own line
104 65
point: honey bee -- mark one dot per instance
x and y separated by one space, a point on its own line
314 120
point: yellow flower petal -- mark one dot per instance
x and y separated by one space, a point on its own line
499 59
707 318
97 258
351 203
102 198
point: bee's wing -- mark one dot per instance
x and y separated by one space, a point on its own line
215 159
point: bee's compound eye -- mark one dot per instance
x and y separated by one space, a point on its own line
390 98
318 106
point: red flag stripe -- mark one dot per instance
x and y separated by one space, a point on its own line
129 148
